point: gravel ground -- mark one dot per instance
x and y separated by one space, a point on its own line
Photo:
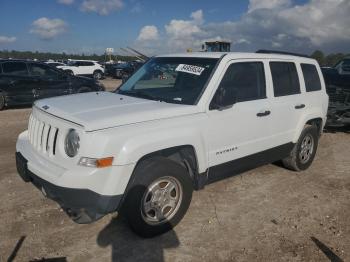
267 214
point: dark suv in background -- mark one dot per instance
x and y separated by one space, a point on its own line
22 82
126 69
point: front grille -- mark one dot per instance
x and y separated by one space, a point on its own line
42 136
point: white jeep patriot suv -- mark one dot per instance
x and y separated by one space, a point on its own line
180 122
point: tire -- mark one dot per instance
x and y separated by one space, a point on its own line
157 179
84 89
70 72
2 101
97 75
298 159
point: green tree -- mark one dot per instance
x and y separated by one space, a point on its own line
319 56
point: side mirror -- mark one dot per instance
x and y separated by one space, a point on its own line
224 98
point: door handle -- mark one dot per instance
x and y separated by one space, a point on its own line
265 113
299 106
12 82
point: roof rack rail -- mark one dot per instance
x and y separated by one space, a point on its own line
263 51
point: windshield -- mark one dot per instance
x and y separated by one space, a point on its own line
171 79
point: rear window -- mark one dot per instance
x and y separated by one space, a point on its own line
311 77
285 78
14 68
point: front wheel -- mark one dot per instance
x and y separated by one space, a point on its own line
158 198
69 72
97 75
304 150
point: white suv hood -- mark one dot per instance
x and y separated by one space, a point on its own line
98 110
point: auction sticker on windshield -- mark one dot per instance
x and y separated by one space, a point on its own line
191 69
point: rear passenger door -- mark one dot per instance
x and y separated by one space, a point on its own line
20 87
86 68
287 103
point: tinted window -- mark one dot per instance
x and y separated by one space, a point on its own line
82 63
246 79
312 80
14 68
43 71
285 78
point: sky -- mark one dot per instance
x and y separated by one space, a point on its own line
155 26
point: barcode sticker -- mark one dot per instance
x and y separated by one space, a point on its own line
191 69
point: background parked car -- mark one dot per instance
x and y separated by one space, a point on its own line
110 68
22 82
126 69
84 68
337 80
339 75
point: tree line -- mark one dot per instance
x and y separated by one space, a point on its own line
43 56
328 60
323 60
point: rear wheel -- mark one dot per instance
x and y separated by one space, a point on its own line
97 74
70 72
2 101
158 198
304 150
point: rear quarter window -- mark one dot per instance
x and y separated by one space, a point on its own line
285 78
311 77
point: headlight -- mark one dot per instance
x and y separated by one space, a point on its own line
71 143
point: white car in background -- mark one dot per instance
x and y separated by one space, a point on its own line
84 68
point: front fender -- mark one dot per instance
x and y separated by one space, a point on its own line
135 148
129 143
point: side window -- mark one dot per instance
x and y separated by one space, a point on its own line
83 63
311 77
285 78
15 68
246 80
43 71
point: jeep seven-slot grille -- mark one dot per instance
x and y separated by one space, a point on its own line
42 136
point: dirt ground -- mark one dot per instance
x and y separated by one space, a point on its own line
267 214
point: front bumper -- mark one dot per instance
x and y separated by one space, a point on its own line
82 205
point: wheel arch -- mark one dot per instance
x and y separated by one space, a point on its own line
318 122
314 118
185 155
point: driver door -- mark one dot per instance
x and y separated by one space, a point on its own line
50 82
235 134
